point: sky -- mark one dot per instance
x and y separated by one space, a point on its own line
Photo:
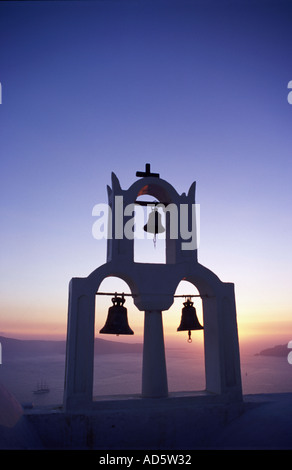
196 88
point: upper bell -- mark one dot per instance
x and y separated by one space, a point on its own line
154 224
117 319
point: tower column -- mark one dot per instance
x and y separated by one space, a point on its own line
154 375
79 346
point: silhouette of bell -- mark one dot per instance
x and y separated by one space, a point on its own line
189 319
154 224
117 319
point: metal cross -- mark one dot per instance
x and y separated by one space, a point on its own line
147 172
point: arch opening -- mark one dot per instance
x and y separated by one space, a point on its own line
185 361
147 248
117 359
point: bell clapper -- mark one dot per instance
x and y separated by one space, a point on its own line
189 340
154 224
154 238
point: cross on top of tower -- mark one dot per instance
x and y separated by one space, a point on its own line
147 172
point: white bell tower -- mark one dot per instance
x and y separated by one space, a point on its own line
153 287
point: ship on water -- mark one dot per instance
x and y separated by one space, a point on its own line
41 388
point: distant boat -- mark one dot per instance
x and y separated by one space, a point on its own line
41 388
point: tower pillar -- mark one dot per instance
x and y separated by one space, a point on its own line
154 375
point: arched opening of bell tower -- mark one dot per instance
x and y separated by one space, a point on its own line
185 360
150 238
117 358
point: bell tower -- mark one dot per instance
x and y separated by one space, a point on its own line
180 211
153 288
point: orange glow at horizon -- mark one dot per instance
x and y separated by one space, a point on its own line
253 327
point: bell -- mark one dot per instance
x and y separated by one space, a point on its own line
117 319
154 224
189 320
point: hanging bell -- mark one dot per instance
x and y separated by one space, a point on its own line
117 319
154 224
189 319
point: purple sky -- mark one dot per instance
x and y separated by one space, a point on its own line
198 89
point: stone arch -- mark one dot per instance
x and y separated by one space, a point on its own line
177 207
104 302
194 360
112 284
183 288
147 247
78 389
110 270
221 352
156 187
168 198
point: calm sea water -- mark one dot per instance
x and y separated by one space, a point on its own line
121 374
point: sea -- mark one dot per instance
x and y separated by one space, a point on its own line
116 374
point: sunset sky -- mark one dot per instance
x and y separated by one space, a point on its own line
196 88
